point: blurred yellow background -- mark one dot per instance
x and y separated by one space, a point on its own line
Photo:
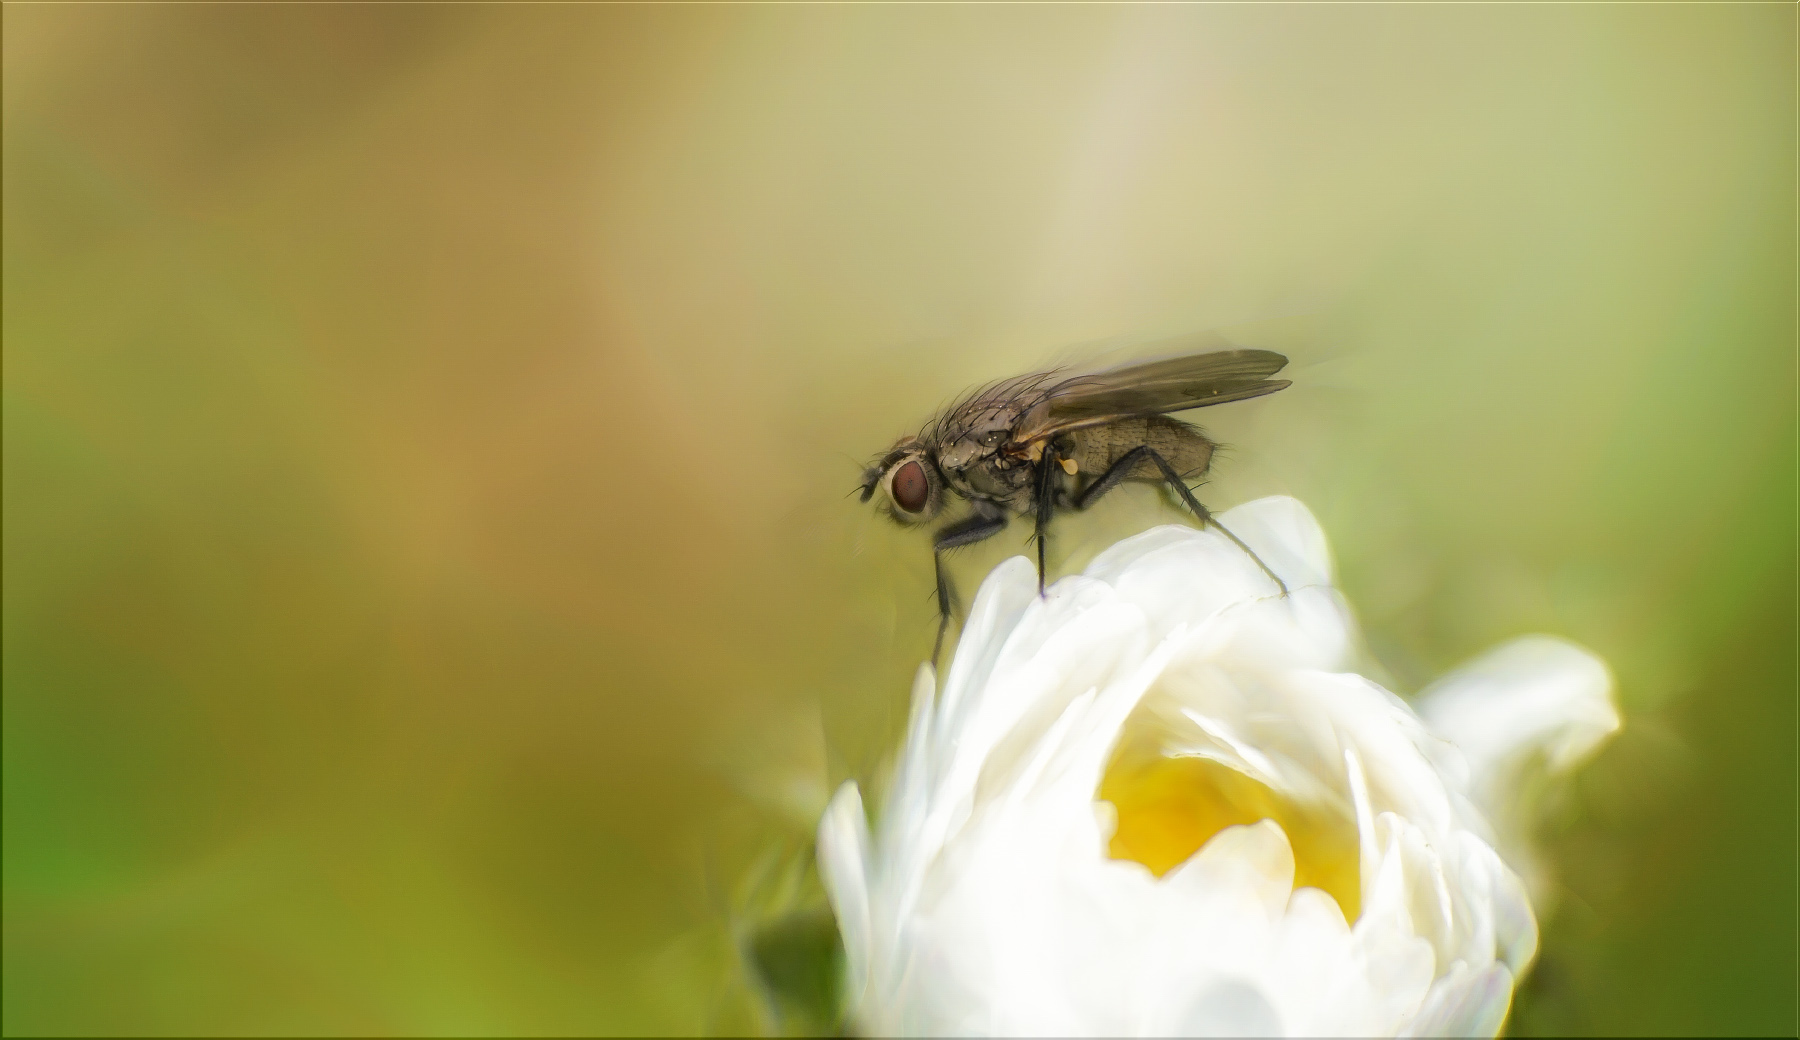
431 599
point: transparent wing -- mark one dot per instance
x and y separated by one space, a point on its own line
1152 388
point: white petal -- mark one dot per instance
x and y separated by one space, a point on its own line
1229 749
1253 862
904 813
1532 708
843 867
1369 851
1316 974
1287 537
1183 575
1465 1003
1084 757
1400 777
1004 595
1229 1007
1515 927
990 905
1024 698
1399 961
1534 695
1428 901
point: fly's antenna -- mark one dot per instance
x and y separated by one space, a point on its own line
871 475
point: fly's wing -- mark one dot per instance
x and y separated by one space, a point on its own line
1152 388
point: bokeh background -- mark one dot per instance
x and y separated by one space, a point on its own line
431 600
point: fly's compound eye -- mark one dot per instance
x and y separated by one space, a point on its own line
911 488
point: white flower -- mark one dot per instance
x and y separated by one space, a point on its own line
1157 802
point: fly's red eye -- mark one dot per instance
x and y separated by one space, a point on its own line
910 487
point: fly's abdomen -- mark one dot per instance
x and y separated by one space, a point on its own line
1184 447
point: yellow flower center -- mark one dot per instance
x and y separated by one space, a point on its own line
1169 806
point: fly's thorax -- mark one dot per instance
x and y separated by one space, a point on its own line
975 429
1000 479
957 457
977 466
975 439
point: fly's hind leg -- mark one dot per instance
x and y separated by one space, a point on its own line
983 524
1129 461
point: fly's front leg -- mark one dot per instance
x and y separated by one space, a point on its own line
986 522
1122 469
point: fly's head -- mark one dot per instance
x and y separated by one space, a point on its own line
911 488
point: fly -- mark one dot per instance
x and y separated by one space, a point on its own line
1049 441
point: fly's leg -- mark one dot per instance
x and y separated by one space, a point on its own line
1129 461
1046 493
967 531
1113 477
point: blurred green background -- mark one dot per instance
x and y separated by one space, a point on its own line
431 603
